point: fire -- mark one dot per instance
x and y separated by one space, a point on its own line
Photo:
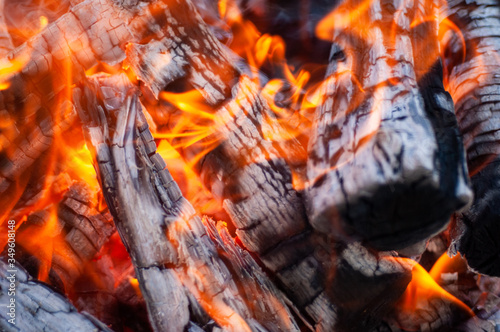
422 291
8 69
291 97
341 18
43 21
187 179
135 284
41 242
446 264
80 166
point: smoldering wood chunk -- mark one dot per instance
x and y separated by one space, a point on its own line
26 143
365 286
383 166
40 308
251 280
472 72
476 230
168 244
245 171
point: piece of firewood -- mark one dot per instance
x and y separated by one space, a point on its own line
85 42
252 282
384 164
38 76
38 307
24 144
167 242
474 83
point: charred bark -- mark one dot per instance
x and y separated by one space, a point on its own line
250 188
173 257
245 171
40 308
383 167
472 67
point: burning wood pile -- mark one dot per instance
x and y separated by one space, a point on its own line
197 165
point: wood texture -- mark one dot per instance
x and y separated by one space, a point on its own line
475 86
40 308
170 249
383 165
257 192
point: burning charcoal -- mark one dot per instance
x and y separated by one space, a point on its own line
258 192
27 147
474 83
385 163
249 277
40 308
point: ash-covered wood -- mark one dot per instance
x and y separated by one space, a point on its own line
253 283
172 254
38 307
248 173
472 73
383 165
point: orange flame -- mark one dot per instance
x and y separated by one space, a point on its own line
43 21
422 288
420 292
445 264
41 242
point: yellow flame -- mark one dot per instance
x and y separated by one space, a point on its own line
422 288
43 21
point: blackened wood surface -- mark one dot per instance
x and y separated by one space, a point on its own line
474 82
40 308
380 168
248 173
173 256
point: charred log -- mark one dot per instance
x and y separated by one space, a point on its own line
168 244
472 75
375 157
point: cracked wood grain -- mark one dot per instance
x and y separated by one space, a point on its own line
40 308
168 244
385 164
474 84
79 232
